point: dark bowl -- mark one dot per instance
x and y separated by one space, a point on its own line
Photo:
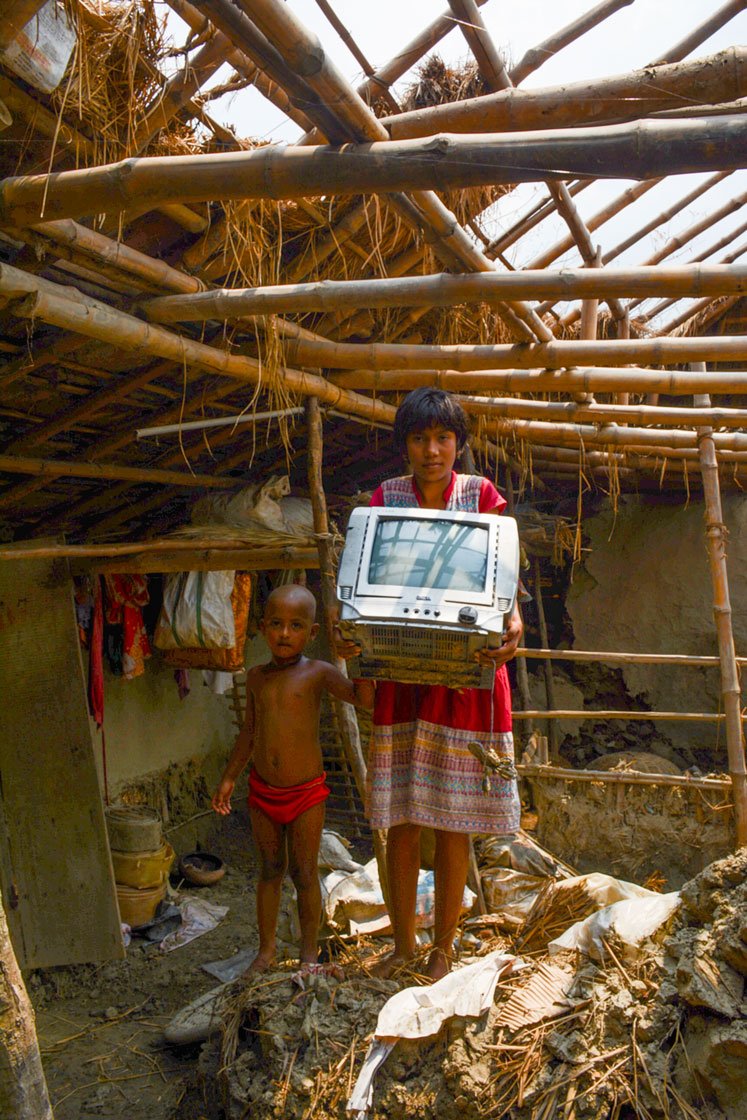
201 868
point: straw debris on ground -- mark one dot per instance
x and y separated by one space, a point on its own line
659 1033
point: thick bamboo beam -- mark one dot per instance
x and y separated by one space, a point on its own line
54 304
60 468
423 209
731 691
611 435
445 290
347 721
595 379
641 151
537 56
712 80
117 255
240 62
538 355
593 413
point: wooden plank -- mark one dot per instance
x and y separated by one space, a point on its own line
206 560
57 879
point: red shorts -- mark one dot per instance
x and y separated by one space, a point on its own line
283 804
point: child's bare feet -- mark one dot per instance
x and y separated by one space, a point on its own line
263 962
387 967
439 965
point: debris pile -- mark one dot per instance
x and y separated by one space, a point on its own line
654 1029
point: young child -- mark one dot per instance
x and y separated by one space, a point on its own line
287 787
420 770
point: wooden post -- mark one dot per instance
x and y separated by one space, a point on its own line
345 713
547 665
522 674
23 1089
716 534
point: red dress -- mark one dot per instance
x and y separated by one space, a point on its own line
420 770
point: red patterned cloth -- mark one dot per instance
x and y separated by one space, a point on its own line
283 804
125 595
420 770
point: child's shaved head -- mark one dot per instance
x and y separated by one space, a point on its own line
292 594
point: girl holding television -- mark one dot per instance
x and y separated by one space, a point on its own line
420 770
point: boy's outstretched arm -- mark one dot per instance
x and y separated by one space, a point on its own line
242 751
358 692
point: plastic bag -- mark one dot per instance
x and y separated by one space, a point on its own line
229 660
197 611
631 920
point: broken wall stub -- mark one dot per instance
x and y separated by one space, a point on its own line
645 586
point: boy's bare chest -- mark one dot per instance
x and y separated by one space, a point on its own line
280 692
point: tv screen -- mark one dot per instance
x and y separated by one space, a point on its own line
410 552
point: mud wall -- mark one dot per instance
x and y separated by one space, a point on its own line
150 730
644 586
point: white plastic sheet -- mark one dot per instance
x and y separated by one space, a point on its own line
631 921
421 1012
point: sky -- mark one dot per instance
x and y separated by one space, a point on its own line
630 39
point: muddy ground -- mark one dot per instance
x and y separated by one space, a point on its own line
661 1034
100 1027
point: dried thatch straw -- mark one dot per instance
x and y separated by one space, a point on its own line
111 78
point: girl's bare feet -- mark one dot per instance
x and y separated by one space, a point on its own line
386 967
261 963
439 965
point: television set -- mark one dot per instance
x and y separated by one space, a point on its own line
421 590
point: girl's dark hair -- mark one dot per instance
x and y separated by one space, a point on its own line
429 408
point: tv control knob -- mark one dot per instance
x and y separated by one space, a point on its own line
467 615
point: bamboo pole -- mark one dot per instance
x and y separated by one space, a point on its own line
53 304
204 560
436 290
621 658
592 379
664 216
712 80
537 56
547 665
664 439
646 316
610 210
716 536
23 550
622 777
240 62
23 1088
539 355
119 256
60 468
640 151
700 34
346 718
303 53
614 713
514 407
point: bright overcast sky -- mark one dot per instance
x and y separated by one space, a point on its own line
628 40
